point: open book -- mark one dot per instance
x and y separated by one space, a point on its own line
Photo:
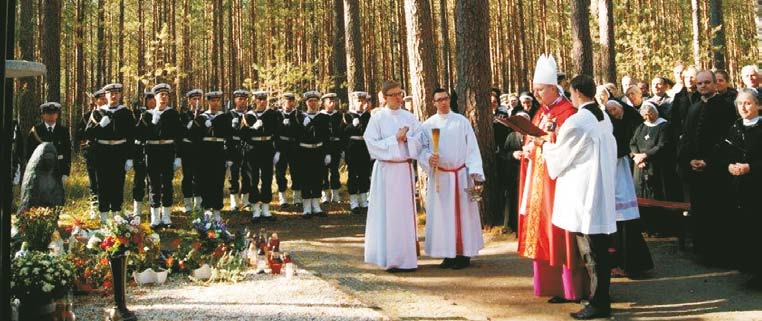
521 125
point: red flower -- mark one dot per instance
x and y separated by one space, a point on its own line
107 243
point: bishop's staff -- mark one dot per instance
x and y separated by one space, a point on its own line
435 139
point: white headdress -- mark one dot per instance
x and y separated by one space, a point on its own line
546 71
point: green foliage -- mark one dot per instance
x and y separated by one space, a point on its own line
37 226
39 276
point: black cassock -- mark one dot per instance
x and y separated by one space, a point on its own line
744 145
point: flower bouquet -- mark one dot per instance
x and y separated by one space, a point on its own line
37 225
37 279
123 235
212 235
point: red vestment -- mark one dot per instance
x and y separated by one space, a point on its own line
558 268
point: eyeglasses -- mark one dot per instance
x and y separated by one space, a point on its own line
397 94
441 99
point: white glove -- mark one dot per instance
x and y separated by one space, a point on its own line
190 124
127 165
228 163
208 123
236 122
258 124
17 176
356 122
343 155
64 178
307 120
276 158
178 163
155 118
286 121
327 159
105 121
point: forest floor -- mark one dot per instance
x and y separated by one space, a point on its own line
335 284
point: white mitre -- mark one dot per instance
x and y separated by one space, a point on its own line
546 71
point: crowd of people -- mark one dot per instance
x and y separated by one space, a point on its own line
571 194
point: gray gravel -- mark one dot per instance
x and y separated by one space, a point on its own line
260 297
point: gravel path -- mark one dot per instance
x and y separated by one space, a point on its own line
498 286
260 297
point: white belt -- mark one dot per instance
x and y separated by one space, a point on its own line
60 156
111 142
335 139
288 139
138 142
160 142
261 138
185 140
214 139
305 145
356 138
236 138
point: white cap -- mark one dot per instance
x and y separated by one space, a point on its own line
546 71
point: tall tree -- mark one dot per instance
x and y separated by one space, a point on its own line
695 15
420 47
471 45
582 43
355 70
339 51
28 94
100 67
51 56
120 43
606 36
445 34
718 34
79 89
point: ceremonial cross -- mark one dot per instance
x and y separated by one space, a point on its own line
647 137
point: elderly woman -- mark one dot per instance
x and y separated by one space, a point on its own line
634 97
742 155
630 250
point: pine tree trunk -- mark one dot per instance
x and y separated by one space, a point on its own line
100 68
718 35
28 94
696 33
120 43
420 46
606 36
471 44
444 29
51 56
339 51
355 70
79 89
582 43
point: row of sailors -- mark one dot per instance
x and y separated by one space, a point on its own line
251 142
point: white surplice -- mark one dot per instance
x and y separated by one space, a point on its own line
583 159
626 199
390 231
451 230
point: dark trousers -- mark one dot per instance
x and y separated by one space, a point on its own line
160 163
139 179
312 171
287 162
239 180
212 175
712 215
358 168
92 176
110 171
331 176
594 249
190 159
260 163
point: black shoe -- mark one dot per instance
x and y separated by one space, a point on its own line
307 216
461 262
270 218
321 214
298 205
256 219
447 263
559 300
397 270
285 206
590 312
356 210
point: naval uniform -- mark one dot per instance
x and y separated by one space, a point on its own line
210 131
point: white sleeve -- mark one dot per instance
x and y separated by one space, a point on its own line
569 146
473 154
379 147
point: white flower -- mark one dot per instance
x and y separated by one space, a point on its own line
93 242
47 287
118 219
155 237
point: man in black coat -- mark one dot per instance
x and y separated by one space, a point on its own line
706 125
50 131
